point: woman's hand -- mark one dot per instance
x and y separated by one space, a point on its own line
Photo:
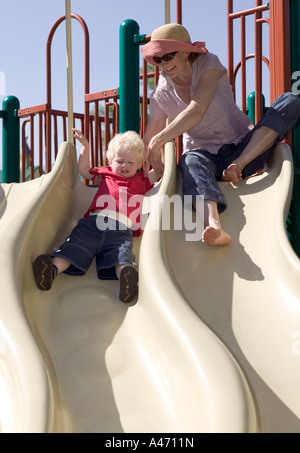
154 145
154 156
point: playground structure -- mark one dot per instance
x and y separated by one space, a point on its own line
195 353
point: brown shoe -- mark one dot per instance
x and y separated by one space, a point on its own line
128 283
44 272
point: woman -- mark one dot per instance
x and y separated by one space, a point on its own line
219 141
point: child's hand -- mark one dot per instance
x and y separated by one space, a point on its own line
97 180
80 137
83 160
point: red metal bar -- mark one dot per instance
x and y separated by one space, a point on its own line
96 160
179 11
48 80
259 58
64 129
280 48
280 80
115 118
230 44
32 110
101 95
248 57
31 147
106 124
55 135
23 158
40 144
86 54
248 12
92 145
101 158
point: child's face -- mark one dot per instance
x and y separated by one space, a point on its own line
125 163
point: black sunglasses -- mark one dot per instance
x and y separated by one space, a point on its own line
165 58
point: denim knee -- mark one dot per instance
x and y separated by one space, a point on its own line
198 177
283 114
289 105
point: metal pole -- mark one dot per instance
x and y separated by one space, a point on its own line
251 102
167 12
129 76
10 140
69 71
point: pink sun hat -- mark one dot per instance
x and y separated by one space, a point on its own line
170 38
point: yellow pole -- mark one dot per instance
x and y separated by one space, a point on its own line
167 12
69 71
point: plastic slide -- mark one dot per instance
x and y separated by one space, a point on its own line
212 343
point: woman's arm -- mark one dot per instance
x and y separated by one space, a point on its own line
154 158
190 116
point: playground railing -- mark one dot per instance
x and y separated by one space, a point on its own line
232 17
99 125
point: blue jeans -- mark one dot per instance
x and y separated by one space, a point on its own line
110 246
202 170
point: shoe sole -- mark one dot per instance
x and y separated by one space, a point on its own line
42 270
128 283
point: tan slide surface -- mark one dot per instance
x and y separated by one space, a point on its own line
210 345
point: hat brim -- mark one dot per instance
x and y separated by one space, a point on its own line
160 47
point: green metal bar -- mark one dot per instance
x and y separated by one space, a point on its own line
251 106
129 90
10 140
293 221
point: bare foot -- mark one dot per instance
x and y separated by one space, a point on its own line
215 236
232 174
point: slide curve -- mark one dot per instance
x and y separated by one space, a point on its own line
210 345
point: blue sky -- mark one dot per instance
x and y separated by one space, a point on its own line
25 26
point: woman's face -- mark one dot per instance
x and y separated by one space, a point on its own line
177 66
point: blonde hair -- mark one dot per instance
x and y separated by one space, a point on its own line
127 141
